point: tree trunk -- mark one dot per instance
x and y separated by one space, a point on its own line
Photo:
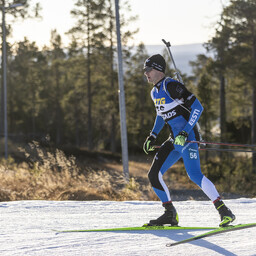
112 84
254 127
254 102
89 132
58 111
77 133
223 127
89 127
33 116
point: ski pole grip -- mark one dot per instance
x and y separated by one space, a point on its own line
166 43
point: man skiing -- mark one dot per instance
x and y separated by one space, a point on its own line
180 110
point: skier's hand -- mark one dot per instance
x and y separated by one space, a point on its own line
148 145
181 138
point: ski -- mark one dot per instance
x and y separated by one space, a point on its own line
214 232
143 228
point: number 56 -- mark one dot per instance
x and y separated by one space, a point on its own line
193 155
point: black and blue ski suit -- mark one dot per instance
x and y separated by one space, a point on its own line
180 110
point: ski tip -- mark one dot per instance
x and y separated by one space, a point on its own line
214 232
56 231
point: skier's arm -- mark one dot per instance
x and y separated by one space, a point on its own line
159 121
149 143
178 91
196 111
158 126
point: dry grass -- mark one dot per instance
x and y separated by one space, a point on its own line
54 176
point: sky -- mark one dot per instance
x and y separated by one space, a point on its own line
178 21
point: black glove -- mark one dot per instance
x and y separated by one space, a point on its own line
149 144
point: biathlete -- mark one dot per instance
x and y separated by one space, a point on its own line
180 110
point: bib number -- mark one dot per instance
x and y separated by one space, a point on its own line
192 155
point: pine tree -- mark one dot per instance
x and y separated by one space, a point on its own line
140 107
241 17
56 87
220 44
27 11
88 26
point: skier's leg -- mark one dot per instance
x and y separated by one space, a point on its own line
192 164
191 161
165 158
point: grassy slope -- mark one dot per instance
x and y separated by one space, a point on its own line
45 174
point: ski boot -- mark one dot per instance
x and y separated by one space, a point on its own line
170 216
226 215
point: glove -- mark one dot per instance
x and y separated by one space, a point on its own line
148 145
181 138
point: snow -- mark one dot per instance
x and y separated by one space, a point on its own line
28 228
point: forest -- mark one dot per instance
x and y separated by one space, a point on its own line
67 97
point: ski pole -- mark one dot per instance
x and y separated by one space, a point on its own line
223 144
220 149
219 143
168 45
177 73
227 150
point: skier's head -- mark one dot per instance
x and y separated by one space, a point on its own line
156 62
